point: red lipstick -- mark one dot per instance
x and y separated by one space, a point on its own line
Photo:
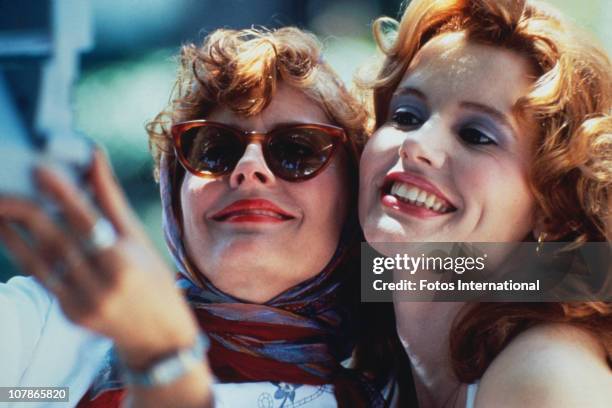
252 210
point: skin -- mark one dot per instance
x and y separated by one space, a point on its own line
446 99
256 261
552 365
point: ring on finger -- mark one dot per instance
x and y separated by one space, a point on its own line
102 236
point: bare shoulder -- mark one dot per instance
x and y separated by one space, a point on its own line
551 365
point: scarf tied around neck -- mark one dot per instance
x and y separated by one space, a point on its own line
300 336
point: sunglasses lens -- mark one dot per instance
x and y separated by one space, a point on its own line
210 149
298 153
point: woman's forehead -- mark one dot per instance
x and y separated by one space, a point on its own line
450 66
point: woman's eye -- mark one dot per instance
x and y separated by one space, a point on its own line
299 149
406 117
475 136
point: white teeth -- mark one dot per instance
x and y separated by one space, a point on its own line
395 188
430 200
422 197
413 193
418 197
402 191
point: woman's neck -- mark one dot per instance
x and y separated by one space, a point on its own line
424 331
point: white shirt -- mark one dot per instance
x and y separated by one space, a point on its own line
39 346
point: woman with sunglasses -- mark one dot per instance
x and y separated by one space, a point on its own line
256 157
493 125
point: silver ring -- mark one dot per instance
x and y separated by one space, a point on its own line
101 237
56 275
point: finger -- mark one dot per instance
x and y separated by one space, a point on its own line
110 197
34 220
51 244
27 259
72 202
24 256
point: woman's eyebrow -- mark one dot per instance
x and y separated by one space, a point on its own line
407 90
489 110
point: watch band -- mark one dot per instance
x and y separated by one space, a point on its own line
170 368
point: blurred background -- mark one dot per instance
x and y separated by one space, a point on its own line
126 75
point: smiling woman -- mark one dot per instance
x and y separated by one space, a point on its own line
493 124
258 218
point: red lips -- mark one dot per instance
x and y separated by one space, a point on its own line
253 210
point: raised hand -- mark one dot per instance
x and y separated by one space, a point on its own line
99 264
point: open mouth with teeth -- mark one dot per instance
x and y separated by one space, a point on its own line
412 195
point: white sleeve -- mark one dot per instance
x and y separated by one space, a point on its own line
24 306
39 346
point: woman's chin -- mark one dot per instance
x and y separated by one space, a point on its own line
247 291
386 229
250 245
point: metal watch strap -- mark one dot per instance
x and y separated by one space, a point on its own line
169 369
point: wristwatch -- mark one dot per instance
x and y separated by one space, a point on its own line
170 368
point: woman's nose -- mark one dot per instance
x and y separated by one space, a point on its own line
426 146
251 168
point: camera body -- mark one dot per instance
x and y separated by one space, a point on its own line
38 65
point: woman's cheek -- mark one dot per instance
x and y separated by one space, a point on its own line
499 187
